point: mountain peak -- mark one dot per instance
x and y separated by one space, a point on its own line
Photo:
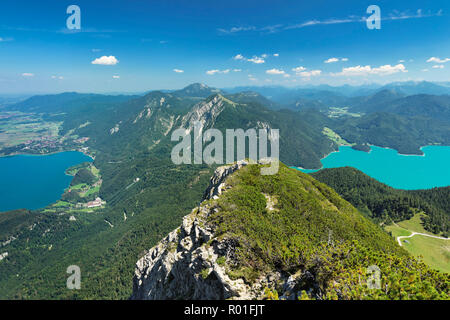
198 90
196 85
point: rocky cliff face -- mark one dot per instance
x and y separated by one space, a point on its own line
191 263
205 112
184 264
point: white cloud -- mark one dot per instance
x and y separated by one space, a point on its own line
275 71
323 22
425 70
178 70
331 60
237 70
116 77
106 61
276 54
278 72
355 71
437 60
213 72
237 29
366 70
256 60
394 15
27 74
438 66
299 69
311 73
401 61
96 50
57 77
388 69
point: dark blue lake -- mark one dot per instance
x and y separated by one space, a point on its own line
394 169
34 181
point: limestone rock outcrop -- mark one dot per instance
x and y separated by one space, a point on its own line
192 263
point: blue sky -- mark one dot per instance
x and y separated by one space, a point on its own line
169 44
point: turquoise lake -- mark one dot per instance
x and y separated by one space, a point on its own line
396 170
35 181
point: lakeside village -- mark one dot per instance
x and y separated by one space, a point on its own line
83 193
50 144
29 134
46 145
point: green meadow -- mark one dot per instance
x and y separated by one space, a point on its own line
434 252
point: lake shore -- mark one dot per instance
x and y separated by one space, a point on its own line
34 181
409 172
47 154
372 145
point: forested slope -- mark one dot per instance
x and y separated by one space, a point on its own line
385 204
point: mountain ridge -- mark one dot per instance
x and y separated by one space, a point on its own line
246 241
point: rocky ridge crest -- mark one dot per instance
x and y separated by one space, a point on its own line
191 263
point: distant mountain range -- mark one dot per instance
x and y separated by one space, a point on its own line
362 99
7 99
196 90
406 88
411 120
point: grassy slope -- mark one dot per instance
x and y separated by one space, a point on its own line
435 252
414 224
308 208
